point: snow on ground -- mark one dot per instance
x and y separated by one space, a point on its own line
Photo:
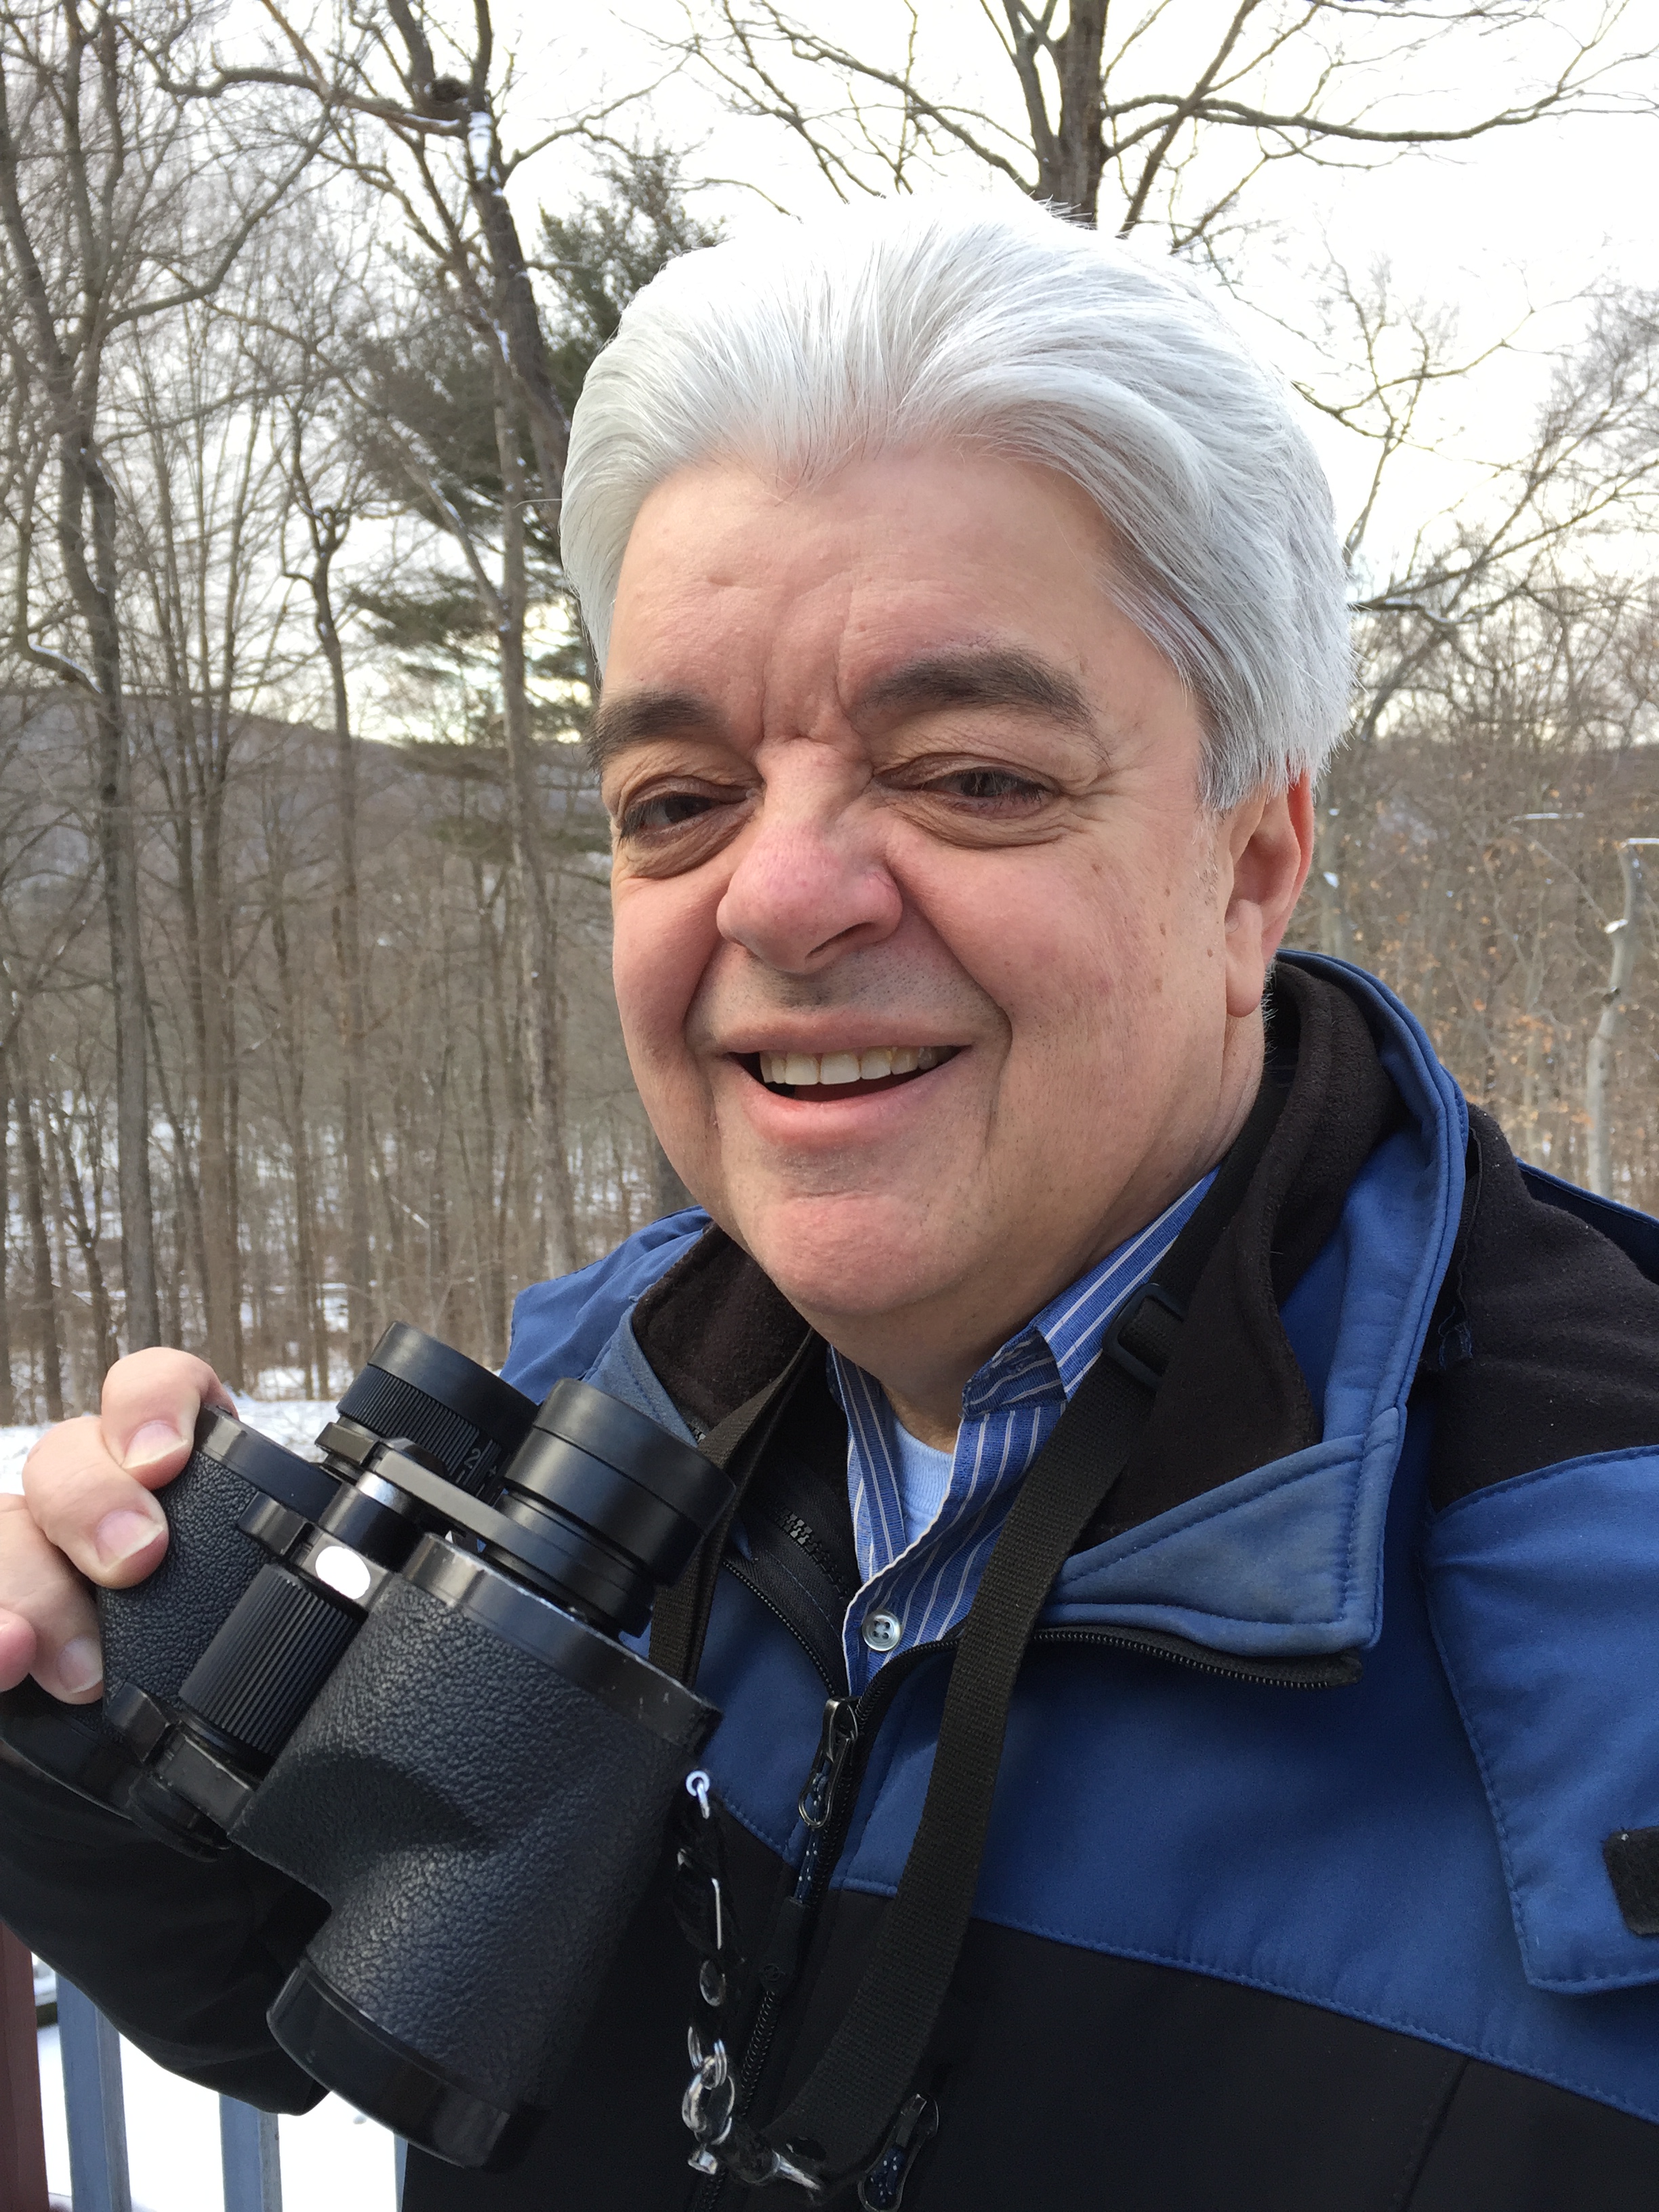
14 1450
333 2158
294 1422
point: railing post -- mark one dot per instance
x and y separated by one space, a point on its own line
253 2160
91 2051
22 2140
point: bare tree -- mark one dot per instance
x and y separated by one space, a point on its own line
327 492
1174 112
103 234
417 117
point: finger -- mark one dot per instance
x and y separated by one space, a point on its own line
88 1482
17 1649
48 1623
82 1501
148 1410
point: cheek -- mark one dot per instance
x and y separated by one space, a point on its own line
664 933
1053 940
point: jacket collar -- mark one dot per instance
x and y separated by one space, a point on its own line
1283 1556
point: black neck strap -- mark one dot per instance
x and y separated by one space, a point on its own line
836 2124
679 1619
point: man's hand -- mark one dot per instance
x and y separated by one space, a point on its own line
88 1515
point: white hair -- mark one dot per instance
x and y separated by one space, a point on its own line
998 328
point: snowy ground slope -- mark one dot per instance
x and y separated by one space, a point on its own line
333 2160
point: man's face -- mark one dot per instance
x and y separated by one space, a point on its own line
894 782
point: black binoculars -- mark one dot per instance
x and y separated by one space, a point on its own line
396 1674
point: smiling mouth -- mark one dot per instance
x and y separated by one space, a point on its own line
835 1075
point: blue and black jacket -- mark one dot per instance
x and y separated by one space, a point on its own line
1323 1874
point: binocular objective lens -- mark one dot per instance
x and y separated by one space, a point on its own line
617 1505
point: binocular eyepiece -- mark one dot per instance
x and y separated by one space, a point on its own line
396 1674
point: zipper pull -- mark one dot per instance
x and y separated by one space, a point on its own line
780 1961
835 1739
883 2188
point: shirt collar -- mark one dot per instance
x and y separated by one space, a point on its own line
1056 1348
1059 1345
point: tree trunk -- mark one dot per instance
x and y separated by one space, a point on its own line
8 1394
221 1228
1078 154
394 1272
186 1194
349 957
84 490
1336 925
118 848
71 1212
1598 1069
86 487
44 1301
540 936
1070 151
312 1333
492 1284
172 1299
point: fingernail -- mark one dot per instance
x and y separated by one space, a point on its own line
80 1663
154 1440
120 1534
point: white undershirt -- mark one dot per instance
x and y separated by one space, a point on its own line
924 1476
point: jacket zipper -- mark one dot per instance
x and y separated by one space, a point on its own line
735 1566
1317 1671
826 1806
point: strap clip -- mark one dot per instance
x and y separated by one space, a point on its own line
1156 1337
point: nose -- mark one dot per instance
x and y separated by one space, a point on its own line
809 885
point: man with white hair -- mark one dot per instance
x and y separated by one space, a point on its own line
1182 1638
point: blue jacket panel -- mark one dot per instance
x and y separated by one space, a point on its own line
564 1329
1420 1851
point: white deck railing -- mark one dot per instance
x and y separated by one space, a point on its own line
90 2049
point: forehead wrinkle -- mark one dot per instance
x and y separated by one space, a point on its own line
977 675
639 716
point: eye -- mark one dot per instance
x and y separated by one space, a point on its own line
989 787
665 810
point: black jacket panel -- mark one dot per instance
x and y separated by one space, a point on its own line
185 1956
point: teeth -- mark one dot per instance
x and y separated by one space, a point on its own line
802 1068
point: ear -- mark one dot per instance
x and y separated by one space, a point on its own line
1271 840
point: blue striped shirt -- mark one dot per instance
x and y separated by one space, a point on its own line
1009 1410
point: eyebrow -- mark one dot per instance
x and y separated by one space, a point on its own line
639 716
978 675
973 675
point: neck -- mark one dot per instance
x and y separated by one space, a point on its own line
924 1356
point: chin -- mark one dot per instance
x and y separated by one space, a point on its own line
850 1256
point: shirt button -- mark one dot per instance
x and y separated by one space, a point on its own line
882 1630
